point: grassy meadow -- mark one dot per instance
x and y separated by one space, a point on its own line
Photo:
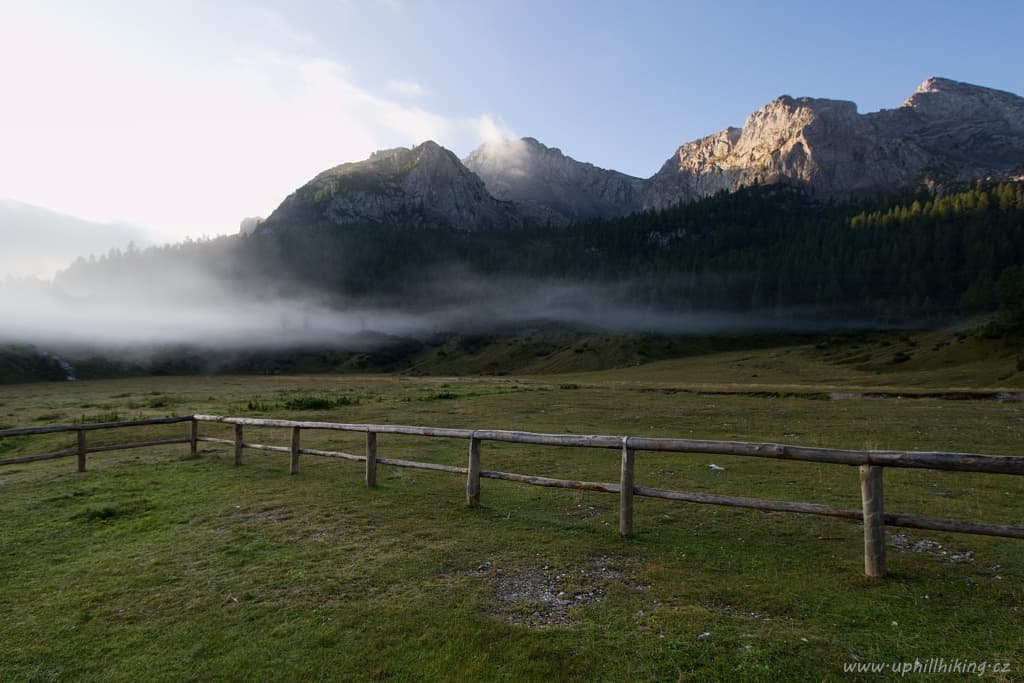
153 566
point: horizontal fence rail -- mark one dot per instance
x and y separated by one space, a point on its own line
83 449
53 429
870 463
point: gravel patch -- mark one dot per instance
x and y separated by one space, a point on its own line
547 596
907 544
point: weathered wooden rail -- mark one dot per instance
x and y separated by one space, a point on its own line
83 449
871 464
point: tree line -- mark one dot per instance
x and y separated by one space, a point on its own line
763 248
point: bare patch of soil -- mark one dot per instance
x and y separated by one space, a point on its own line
907 544
546 596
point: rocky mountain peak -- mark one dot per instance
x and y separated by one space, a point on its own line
945 131
550 186
425 185
942 97
399 159
949 87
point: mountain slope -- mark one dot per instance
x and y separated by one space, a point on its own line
946 131
420 187
550 186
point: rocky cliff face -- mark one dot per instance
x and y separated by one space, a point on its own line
419 187
550 186
946 131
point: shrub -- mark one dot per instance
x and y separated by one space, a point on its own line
319 402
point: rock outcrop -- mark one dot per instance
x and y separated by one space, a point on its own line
547 185
946 131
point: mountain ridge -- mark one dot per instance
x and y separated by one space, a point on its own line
945 132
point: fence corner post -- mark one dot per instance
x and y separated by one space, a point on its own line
238 444
293 467
626 490
82 450
371 459
193 438
874 520
473 473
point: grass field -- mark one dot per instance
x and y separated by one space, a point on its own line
155 567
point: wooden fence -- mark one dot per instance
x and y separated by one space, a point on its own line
82 449
871 464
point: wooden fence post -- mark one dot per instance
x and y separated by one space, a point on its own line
874 520
238 444
626 490
81 450
293 468
473 474
371 459
193 439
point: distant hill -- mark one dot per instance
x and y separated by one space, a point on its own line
37 241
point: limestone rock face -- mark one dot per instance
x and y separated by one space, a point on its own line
946 131
423 186
547 185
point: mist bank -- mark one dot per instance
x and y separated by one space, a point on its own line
533 350
764 260
190 308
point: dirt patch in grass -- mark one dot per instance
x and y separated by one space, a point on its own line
546 596
272 514
908 544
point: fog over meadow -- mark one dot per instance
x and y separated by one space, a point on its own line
174 300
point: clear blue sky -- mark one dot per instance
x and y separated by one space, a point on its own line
183 117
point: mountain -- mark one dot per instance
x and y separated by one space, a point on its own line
945 132
550 186
426 186
38 241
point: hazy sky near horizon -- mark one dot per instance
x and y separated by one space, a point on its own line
183 117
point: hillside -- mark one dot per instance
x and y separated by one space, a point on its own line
773 251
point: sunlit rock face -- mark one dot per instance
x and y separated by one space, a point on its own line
946 131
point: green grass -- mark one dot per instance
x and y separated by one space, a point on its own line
154 567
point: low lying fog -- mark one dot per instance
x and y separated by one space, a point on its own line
185 306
